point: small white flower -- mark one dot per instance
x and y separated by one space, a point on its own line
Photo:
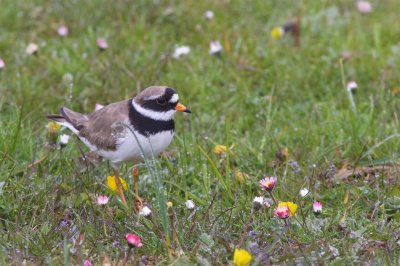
181 50
102 200
145 211
209 15
351 85
190 204
63 31
303 192
64 138
259 202
2 64
32 48
215 47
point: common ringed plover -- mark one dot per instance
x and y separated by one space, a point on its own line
108 131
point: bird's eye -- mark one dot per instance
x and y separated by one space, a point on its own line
162 101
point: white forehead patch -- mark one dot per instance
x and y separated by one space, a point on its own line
152 97
174 98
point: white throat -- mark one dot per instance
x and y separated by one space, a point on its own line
161 116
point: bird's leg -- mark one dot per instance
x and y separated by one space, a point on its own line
119 187
135 177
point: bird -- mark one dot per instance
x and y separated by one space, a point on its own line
128 130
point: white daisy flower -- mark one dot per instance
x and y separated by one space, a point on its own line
304 192
259 202
32 48
64 138
145 211
209 15
181 50
190 204
215 47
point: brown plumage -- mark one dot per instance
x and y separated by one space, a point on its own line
99 127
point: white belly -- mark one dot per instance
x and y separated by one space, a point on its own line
128 148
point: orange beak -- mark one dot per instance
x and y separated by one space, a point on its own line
181 108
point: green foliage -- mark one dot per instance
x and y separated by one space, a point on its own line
259 97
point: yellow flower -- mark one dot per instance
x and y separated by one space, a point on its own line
241 257
220 149
169 204
239 176
277 33
53 127
292 206
113 186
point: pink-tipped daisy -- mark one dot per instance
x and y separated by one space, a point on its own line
282 212
102 43
352 85
2 64
87 263
317 207
268 183
102 200
32 48
133 240
364 7
63 31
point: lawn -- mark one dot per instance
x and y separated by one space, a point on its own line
262 107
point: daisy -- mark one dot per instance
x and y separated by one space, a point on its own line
268 183
133 240
102 200
190 204
181 50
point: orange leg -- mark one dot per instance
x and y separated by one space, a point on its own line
135 177
120 189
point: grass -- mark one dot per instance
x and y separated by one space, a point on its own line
260 97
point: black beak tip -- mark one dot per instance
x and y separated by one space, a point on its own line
187 111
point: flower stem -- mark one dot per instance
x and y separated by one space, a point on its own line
273 198
104 225
245 229
127 256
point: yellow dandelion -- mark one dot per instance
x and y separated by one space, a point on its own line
241 257
291 205
53 127
277 33
239 176
169 204
113 186
220 149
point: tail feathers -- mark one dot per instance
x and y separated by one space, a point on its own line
74 118
70 119
56 118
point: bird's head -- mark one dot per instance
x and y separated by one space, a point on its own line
159 103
